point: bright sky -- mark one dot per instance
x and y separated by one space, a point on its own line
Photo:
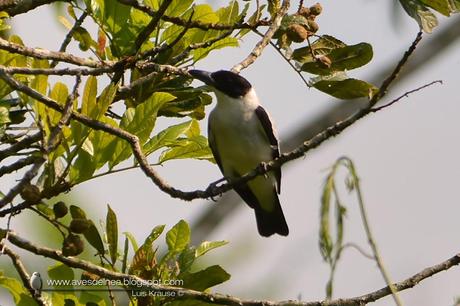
406 157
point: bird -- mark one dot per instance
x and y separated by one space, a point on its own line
241 137
36 283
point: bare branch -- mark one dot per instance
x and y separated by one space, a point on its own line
257 51
145 33
19 164
193 24
16 7
51 55
405 95
181 293
68 37
20 145
19 266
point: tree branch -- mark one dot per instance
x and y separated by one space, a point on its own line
181 293
51 55
257 51
16 7
19 266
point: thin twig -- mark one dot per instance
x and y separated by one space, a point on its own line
51 55
405 95
145 33
370 237
257 51
68 37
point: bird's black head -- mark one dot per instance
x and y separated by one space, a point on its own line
229 83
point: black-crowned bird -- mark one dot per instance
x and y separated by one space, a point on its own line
241 136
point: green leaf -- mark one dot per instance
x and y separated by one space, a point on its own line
139 121
205 279
81 35
94 238
112 233
325 238
343 58
166 137
89 96
87 146
132 239
195 147
186 259
60 272
201 53
442 6
83 168
322 46
4 115
20 294
178 237
424 17
341 87
102 144
154 234
207 246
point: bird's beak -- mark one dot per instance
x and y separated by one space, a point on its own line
203 76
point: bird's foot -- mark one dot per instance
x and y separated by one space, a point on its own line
213 189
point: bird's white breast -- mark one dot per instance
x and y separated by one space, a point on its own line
240 137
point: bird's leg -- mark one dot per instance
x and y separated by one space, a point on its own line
264 168
213 188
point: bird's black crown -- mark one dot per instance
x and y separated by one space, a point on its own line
230 83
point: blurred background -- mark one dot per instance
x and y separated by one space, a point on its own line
407 158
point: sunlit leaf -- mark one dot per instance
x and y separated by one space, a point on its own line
112 233
178 237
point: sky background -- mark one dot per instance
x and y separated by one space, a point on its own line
407 158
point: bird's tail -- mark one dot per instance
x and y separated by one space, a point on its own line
271 222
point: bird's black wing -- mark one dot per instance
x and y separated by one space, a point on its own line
270 132
213 145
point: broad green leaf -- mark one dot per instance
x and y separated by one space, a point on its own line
154 234
166 137
83 168
139 121
199 54
205 279
186 259
89 96
442 6
94 238
60 272
84 39
424 17
20 294
229 14
195 147
342 87
112 233
342 58
101 144
178 237
178 7
322 46
87 146
207 246
104 101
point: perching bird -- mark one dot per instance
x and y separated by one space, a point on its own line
241 136
36 283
